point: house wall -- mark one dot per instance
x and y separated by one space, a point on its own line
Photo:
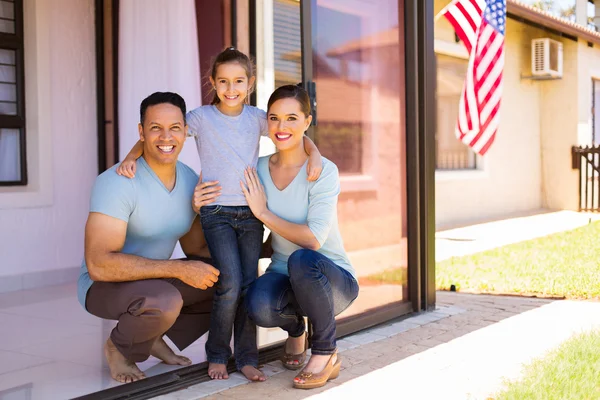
42 224
563 119
508 179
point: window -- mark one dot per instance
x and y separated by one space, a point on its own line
13 162
595 111
451 153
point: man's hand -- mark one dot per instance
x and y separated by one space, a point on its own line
198 274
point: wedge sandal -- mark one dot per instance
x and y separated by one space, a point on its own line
287 358
312 381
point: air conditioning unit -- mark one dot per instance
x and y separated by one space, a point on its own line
546 58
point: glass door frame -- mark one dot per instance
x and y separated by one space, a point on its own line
419 199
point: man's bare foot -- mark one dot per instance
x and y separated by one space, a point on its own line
253 374
121 369
295 345
162 351
316 364
217 371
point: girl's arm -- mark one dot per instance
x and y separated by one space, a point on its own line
127 166
315 163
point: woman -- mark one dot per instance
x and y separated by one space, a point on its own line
310 274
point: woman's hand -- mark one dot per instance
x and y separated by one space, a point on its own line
205 193
314 167
127 167
254 193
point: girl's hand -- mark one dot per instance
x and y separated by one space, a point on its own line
314 167
127 168
254 193
205 194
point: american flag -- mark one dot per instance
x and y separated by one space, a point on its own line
480 24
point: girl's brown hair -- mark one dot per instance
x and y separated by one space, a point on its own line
291 92
232 55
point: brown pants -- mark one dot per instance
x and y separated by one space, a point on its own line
148 309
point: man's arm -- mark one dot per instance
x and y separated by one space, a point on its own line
193 243
104 240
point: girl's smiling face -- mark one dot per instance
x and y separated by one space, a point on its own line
287 123
232 84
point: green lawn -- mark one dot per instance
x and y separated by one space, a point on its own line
571 371
565 264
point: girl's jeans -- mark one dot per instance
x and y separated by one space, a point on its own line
234 238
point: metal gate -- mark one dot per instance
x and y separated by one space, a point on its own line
587 160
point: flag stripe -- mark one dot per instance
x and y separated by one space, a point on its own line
480 24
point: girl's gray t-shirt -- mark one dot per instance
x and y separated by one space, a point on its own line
227 146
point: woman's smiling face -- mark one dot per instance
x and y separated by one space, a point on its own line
287 123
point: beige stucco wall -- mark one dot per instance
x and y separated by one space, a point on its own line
42 224
509 177
560 102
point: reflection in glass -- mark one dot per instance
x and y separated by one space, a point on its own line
10 155
7 56
358 71
451 153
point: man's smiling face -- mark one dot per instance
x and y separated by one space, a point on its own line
163 132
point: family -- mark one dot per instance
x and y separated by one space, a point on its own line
141 208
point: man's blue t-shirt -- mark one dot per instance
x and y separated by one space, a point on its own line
156 218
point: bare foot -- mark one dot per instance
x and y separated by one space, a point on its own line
316 364
253 374
162 351
217 371
121 369
295 346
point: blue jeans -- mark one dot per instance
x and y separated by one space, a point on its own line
234 238
316 288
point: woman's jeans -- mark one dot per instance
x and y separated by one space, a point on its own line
316 288
234 238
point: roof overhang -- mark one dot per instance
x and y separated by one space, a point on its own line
545 20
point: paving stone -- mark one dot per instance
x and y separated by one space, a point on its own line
389 358
451 310
361 354
394 329
426 332
364 338
382 347
430 342
413 349
344 345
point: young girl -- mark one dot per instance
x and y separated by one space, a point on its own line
227 134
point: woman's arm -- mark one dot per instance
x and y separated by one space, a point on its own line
296 233
299 234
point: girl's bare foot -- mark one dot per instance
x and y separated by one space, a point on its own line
316 364
217 371
162 351
253 374
121 369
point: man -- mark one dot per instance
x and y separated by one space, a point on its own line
131 232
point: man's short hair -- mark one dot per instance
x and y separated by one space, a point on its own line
162 98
